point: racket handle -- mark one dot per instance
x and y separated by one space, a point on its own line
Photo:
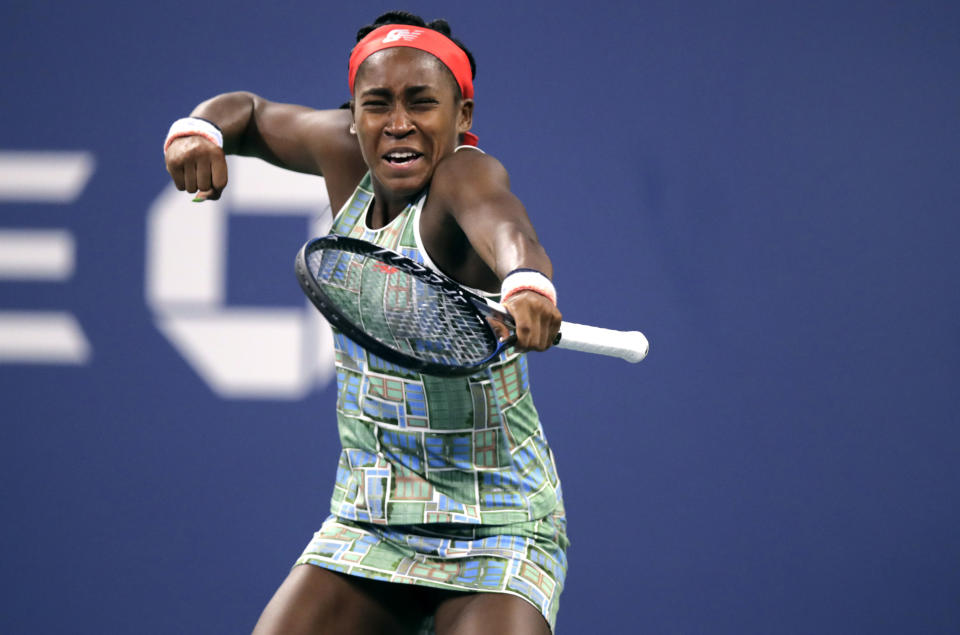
629 345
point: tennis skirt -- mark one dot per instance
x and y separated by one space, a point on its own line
525 559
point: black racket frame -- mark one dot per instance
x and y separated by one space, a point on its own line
448 287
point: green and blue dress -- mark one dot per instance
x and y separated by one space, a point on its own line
445 482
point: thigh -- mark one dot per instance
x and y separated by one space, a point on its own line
317 601
485 613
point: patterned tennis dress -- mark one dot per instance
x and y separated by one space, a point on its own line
445 482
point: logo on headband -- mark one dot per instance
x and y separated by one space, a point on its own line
401 34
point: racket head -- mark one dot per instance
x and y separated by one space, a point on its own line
399 309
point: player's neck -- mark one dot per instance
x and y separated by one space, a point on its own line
384 208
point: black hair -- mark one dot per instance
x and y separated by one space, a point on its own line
408 19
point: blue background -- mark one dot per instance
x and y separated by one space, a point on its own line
769 190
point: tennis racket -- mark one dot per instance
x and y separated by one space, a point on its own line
412 316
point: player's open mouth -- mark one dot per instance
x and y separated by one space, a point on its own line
401 158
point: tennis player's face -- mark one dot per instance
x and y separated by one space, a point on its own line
408 114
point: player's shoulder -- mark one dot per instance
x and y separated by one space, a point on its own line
326 133
469 169
336 117
333 123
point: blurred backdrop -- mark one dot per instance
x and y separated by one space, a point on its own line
769 190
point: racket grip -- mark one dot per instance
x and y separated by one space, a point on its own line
629 345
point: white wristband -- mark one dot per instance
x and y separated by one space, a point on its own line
192 126
527 280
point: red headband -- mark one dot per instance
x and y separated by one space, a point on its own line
433 42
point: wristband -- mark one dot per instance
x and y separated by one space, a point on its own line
194 126
527 280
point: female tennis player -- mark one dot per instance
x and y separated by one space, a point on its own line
446 514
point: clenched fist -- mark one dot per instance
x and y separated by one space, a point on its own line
196 164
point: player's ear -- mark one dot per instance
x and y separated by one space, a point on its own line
465 116
353 117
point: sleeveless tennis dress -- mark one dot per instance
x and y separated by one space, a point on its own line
444 482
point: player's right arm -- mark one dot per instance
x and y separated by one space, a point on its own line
287 135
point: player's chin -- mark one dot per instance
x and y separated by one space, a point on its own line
406 183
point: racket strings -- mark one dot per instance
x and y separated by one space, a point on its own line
401 311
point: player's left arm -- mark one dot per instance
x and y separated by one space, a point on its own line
475 189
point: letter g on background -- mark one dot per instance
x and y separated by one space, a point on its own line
240 352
